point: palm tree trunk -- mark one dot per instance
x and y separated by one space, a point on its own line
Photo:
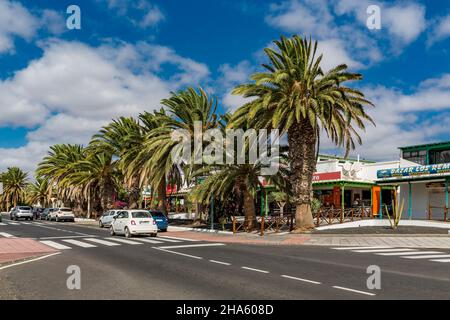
302 156
135 193
249 209
107 196
162 196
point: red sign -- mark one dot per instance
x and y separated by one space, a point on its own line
326 176
171 189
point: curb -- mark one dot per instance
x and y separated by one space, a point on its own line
174 228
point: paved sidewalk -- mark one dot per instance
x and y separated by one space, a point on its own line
409 241
13 249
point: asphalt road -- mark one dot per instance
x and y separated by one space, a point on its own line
173 269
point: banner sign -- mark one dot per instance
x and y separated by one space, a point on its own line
326 176
432 170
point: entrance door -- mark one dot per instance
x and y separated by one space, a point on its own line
348 198
436 204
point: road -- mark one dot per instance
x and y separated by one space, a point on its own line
177 268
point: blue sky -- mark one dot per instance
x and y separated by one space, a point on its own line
60 86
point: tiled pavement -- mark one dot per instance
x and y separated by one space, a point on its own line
12 249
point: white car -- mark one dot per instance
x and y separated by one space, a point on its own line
107 218
133 222
62 214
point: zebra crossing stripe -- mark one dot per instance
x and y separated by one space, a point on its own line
148 240
6 235
408 253
55 245
167 240
26 223
429 256
103 242
441 260
384 250
178 238
79 243
3 224
123 240
15 223
360 248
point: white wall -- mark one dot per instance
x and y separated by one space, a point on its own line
419 200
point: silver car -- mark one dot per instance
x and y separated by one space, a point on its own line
107 218
21 212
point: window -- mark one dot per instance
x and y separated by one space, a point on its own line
122 215
157 214
141 214
24 208
419 157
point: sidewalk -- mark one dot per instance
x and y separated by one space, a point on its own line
13 249
409 241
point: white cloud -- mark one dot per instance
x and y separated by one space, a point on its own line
152 18
398 118
334 54
74 89
440 30
53 21
15 20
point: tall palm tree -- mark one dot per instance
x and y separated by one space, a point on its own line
296 96
14 182
39 191
182 111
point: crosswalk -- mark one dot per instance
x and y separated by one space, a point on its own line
404 253
18 223
90 242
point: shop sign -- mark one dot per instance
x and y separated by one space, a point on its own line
326 176
435 169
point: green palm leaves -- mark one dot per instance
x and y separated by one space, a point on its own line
14 186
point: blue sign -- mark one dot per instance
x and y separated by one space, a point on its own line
435 169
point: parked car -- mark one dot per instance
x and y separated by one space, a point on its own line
107 218
133 222
62 214
45 215
161 220
21 212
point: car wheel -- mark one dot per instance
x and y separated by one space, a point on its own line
127 233
100 224
16 218
153 235
111 231
31 219
164 230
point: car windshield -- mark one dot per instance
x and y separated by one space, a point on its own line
24 208
157 214
141 214
65 209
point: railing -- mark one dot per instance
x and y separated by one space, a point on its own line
327 216
263 224
432 213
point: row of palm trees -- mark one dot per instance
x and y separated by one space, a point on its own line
294 95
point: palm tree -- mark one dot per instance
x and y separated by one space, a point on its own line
183 111
39 191
14 186
123 137
296 96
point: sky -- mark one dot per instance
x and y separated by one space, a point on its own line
59 85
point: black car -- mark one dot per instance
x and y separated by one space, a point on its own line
45 215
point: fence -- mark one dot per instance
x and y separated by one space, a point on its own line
264 224
327 216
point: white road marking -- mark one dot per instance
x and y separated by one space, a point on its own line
28 261
194 246
55 245
407 253
300 279
178 253
360 248
429 256
38 223
220 262
6 235
15 223
256 270
441 260
148 240
384 250
353 290
80 243
124 240
26 222
65 237
167 240
178 238
104 242
3 224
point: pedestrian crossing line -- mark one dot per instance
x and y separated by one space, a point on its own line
124 240
167 240
383 250
428 256
6 235
408 253
194 246
3 224
26 222
103 242
441 260
178 238
79 243
362 248
15 223
148 240
55 245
